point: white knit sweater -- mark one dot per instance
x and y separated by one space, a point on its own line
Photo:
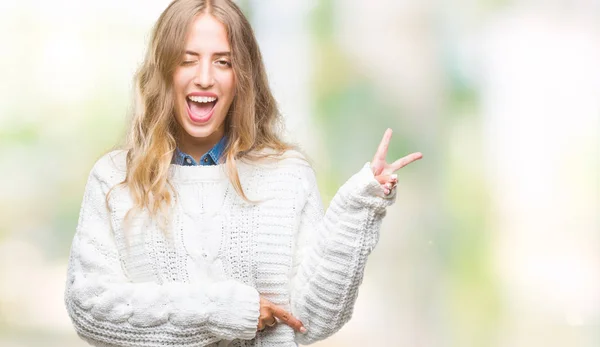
199 283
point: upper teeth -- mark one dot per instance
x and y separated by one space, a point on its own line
202 98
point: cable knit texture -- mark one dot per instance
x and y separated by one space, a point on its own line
198 284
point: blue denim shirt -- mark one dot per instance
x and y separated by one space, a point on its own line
210 158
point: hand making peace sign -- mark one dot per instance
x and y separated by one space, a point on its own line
384 172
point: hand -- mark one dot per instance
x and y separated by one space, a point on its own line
271 314
384 172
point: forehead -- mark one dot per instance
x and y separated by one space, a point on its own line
207 34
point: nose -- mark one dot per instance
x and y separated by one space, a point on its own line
204 77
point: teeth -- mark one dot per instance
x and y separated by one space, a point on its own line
202 99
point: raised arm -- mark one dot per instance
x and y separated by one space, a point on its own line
332 247
107 309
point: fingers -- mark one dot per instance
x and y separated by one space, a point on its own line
388 188
266 322
377 166
262 319
383 145
266 316
388 182
383 179
391 184
287 318
271 314
402 162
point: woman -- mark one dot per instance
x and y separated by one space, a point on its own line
207 229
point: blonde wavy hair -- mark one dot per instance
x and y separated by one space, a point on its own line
251 125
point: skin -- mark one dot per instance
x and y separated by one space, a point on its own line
271 314
385 173
206 67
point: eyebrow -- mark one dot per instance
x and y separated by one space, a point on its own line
226 53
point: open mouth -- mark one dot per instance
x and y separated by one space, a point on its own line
201 108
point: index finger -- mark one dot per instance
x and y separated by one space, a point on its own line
383 145
287 318
402 162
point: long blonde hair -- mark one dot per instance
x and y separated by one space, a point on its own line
252 123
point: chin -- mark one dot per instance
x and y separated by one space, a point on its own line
199 131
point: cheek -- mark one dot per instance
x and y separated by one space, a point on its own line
228 83
180 81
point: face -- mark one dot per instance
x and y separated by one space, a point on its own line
204 81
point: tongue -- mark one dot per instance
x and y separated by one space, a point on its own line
201 109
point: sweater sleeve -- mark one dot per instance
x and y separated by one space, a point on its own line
331 252
107 309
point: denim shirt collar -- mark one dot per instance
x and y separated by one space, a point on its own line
211 158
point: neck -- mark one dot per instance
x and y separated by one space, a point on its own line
198 146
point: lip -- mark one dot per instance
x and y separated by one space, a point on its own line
206 118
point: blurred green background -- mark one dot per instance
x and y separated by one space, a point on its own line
495 237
